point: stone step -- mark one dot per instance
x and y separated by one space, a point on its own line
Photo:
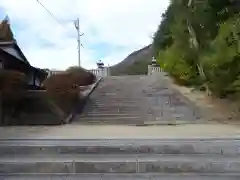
110 123
101 115
194 146
128 98
120 95
116 121
141 122
108 119
150 97
152 176
119 164
119 103
117 97
132 119
108 100
109 107
126 92
111 110
108 103
124 96
115 106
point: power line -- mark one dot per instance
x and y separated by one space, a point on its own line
49 12
77 25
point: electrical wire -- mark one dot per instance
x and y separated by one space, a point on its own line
54 17
49 12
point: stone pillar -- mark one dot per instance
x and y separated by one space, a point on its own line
149 69
100 72
105 71
108 71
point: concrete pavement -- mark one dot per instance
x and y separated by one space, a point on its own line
120 131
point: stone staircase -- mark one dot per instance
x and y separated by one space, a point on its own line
130 100
136 100
120 159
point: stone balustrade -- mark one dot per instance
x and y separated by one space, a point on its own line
154 69
105 71
101 72
54 72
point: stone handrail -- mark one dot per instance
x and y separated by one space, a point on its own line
96 72
104 72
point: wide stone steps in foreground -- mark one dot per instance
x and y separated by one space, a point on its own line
164 159
193 146
120 164
125 177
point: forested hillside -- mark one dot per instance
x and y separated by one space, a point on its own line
198 44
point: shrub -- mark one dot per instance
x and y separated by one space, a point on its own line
179 64
12 88
80 76
12 85
62 90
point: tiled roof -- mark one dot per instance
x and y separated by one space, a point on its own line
7 42
5 31
13 49
9 45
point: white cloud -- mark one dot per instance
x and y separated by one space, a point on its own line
125 23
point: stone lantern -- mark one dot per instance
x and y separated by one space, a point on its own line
154 62
153 67
100 64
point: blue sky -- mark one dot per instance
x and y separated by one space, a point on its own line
113 29
2 12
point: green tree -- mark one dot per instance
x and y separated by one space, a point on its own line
223 62
197 44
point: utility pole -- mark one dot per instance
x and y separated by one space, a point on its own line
77 26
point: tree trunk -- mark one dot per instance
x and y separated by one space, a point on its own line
195 45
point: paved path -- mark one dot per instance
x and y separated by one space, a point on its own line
119 131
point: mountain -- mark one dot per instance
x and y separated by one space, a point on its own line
136 63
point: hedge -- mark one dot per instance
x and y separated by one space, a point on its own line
64 89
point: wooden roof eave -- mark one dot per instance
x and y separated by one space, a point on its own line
14 44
